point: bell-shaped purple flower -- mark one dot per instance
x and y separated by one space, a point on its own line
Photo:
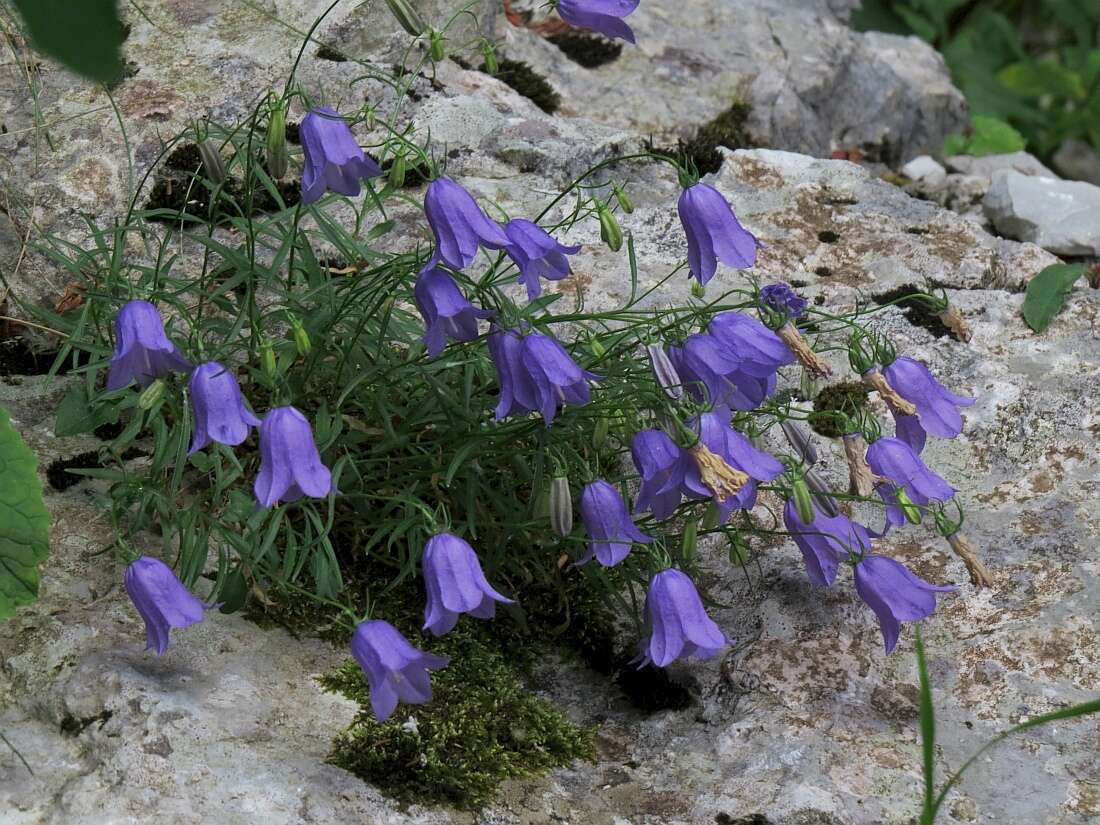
458 224
907 428
676 622
220 412
662 465
446 312
937 408
143 352
161 599
517 390
333 158
895 460
782 299
555 377
455 583
290 466
395 670
825 541
894 515
761 351
603 16
608 523
713 232
704 362
537 255
895 594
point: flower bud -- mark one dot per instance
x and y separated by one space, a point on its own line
690 538
561 507
151 395
212 163
600 432
625 203
667 378
800 493
435 45
799 439
610 232
489 54
397 172
822 494
301 338
277 160
908 508
267 360
407 16
698 290
598 349
710 517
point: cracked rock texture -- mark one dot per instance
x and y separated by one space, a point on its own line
805 722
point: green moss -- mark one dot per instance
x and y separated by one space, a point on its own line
848 397
587 49
727 129
528 83
918 313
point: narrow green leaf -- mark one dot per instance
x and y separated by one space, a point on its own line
927 733
24 521
1047 292
85 35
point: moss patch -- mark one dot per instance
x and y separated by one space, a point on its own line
529 83
918 313
848 397
727 129
587 49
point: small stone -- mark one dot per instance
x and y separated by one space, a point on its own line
986 167
1077 160
1061 216
925 169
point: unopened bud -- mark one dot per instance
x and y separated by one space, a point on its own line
151 395
397 172
212 164
267 360
624 200
698 290
710 517
407 16
822 494
561 507
301 338
691 538
610 231
803 504
600 432
800 440
435 45
598 349
667 378
910 510
277 161
489 54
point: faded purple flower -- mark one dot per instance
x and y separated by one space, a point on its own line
704 362
603 16
143 352
161 599
895 594
760 350
677 625
517 390
713 232
895 460
937 408
446 312
555 377
537 255
221 414
395 670
458 224
662 465
825 542
610 528
290 466
333 158
455 583
784 300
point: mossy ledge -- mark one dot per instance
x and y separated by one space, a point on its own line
848 397
727 129
529 83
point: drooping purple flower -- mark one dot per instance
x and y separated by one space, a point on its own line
907 428
713 233
333 158
290 466
537 255
677 624
662 465
895 594
455 583
895 516
825 541
143 352
704 362
555 377
395 670
517 391
221 414
161 599
610 528
761 351
937 408
458 224
603 16
894 459
446 312
784 300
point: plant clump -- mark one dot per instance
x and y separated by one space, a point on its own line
727 129
587 49
529 83
848 397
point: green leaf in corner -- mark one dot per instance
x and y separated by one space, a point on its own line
24 521
85 35
1046 293
76 415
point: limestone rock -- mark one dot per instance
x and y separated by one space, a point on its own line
1023 162
1077 160
1060 216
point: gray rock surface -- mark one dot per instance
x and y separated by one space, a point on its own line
987 166
1077 160
1060 216
925 169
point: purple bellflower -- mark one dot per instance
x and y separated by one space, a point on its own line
290 466
908 428
537 255
713 233
784 300
555 377
603 16
704 360
761 351
895 460
895 594
517 390
937 408
610 528
662 465
161 599
458 224
220 412
446 312
333 158
895 516
395 670
455 583
143 352
677 625
825 541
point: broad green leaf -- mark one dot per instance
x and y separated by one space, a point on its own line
85 35
878 16
1036 78
24 521
76 415
1046 294
993 137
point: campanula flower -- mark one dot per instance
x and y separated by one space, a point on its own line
895 460
333 158
937 408
760 350
603 16
458 224
455 583
610 528
555 377
705 363
825 541
161 599
290 466
677 625
908 428
662 465
395 670
895 594
713 233
782 299
517 390
446 312
668 379
143 352
220 412
537 255
895 516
